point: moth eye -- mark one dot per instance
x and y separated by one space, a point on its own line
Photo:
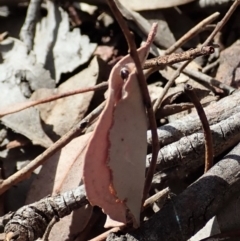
124 72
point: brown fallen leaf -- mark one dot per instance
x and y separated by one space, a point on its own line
59 175
229 71
60 116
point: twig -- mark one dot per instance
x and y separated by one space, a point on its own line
158 102
188 89
206 42
22 106
191 33
186 154
34 220
162 61
206 80
61 205
156 197
28 28
54 220
39 160
210 66
76 21
220 24
216 113
145 94
3 36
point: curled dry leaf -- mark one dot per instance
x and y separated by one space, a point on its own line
59 175
114 166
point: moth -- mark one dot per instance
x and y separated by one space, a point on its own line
114 162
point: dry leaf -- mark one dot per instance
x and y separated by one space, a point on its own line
17 66
61 115
59 175
114 166
49 49
229 70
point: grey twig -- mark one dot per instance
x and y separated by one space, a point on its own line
205 80
187 154
31 221
216 112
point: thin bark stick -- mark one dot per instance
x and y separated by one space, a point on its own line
206 80
39 160
144 91
162 61
220 24
188 89
192 32
187 36
156 197
3 36
24 105
170 82
210 66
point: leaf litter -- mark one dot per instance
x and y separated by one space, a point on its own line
42 73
